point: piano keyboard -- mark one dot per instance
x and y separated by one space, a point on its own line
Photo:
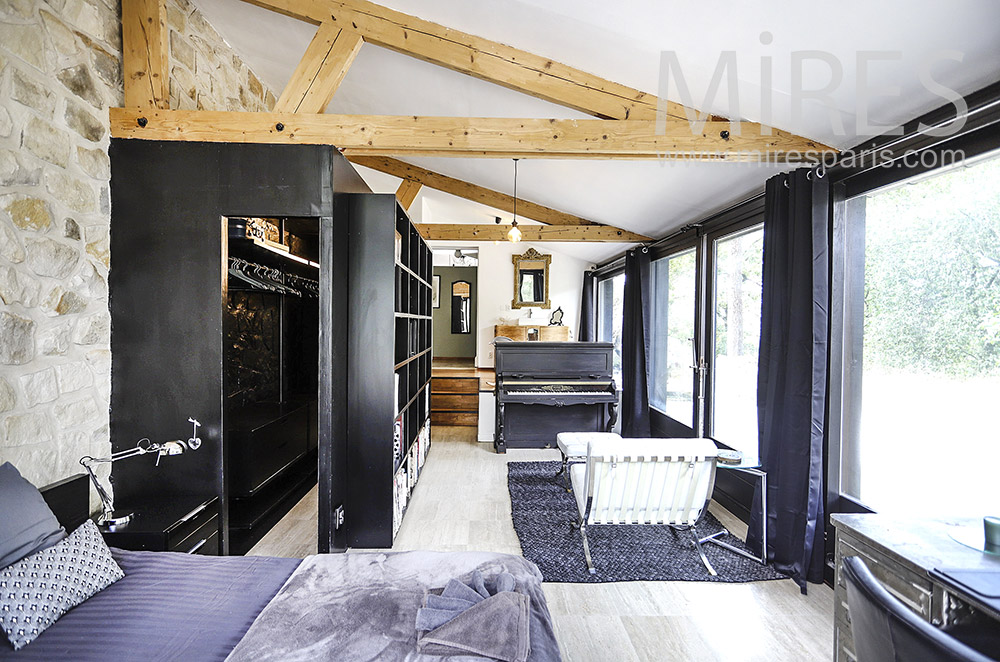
543 391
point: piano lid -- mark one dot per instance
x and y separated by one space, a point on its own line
554 359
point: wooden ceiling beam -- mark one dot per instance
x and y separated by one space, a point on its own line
468 191
474 232
407 192
320 71
481 58
145 58
465 137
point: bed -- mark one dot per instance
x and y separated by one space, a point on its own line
356 606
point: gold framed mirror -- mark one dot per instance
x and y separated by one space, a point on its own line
531 280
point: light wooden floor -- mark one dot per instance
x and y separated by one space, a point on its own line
461 503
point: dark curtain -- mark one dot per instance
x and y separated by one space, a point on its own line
539 284
588 320
635 345
791 373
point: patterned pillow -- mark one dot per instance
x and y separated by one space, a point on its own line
38 589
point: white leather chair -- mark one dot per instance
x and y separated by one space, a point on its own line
573 446
644 481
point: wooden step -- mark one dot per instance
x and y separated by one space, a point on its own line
455 418
449 402
454 385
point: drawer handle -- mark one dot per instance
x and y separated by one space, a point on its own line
193 513
198 546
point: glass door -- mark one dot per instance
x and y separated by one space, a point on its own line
671 345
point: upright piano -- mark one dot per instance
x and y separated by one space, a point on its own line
544 388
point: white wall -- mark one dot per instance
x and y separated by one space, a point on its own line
496 290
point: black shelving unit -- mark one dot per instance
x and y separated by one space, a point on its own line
389 367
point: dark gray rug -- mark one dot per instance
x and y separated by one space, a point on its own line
543 510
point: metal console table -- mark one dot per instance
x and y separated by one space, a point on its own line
751 466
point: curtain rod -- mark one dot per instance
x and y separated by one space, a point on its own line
613 262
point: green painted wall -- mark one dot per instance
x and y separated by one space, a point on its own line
446 343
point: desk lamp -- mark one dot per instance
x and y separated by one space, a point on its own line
110 517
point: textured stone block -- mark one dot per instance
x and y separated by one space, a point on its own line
50 300
88 283
40 387
28 43
183 83
73 377
22 8
18 287
81 121
71 229
74 193
17 339
80 82
100 250
6 124
181 51
77 414
84 17
71 302
176 19
99 361
10 289
62 37
26 212
46 141
54 340
10 245
93 329
31 93
108 67
8 399
47 257
94 162
13 172
25 430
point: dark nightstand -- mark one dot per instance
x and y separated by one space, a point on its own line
189 525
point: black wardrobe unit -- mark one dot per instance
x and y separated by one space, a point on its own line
176 312
282 381
270 371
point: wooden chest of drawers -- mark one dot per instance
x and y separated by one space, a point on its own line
540 333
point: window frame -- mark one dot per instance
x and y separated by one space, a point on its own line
599 280
977 141
659 419
724 231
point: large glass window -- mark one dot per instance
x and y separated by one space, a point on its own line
671 354
738 260
610 304
922 383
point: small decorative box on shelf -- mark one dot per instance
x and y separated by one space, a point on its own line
182 525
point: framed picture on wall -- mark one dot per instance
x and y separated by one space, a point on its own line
436 292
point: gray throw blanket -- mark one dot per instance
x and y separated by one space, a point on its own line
361 607
476 619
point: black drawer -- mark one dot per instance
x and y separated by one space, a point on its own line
191 523
259 454
197 537
178 526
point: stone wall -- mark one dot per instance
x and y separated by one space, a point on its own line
60 71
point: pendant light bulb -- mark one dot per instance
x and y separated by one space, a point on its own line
514 234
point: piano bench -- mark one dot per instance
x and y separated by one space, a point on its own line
573 446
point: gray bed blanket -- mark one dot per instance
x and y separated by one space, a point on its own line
361 607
